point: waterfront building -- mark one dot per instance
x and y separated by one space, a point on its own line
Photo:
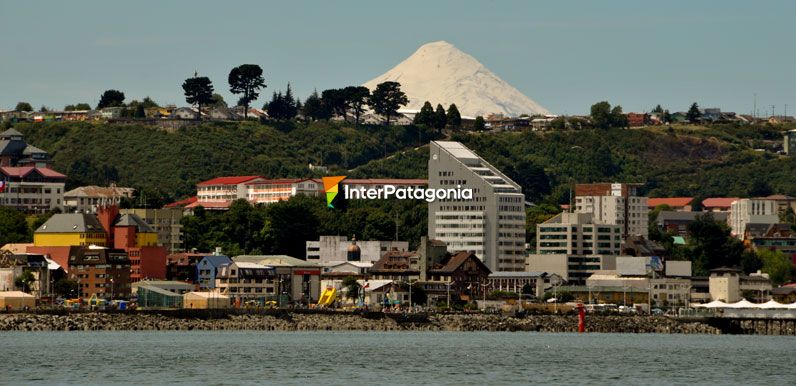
574 269
182 266
751 211
339 248
296 280
87 199
101 271
492 223
614 204
243 281
399 266
463 273
731 285
517 282
205 300
207 270
577 234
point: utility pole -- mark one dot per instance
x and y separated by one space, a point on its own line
754 110
772 110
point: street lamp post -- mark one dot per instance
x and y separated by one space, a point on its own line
449 295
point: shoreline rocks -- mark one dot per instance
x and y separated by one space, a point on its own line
98 321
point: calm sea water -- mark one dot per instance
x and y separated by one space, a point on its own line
371 358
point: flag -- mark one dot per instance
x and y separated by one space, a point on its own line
3 185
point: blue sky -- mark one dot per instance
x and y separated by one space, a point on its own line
566 55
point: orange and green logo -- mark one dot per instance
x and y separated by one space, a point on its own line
330 186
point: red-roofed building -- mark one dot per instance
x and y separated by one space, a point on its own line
718 204
219 192
181 203
270 191
638 119
32 189
678 204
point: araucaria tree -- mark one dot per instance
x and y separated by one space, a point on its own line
454 118
693 113
246 79
198 91
440 119
387 98
425 116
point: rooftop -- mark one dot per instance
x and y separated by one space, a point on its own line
71 223
670 201
99 191
233 180
719 202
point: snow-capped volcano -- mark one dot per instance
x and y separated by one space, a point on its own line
438 72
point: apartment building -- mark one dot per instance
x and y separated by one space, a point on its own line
86 199
492 223
751 211
576 234
615 204
245 280
101 271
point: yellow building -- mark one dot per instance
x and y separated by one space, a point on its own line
145 235
70 229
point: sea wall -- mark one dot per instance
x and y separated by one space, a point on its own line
352 322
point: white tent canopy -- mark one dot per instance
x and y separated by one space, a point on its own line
713 304
772 304
743 303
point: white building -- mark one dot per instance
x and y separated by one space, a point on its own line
31 189
615 204
271 191
751 211
576 234
575 269
338 248
492 223
246 280
86 199
219 192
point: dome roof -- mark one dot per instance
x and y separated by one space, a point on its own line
354 247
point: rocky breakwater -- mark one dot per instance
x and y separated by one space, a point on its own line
135 322
344 322
569 323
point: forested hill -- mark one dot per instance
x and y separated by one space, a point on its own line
169 164
692 161
678 161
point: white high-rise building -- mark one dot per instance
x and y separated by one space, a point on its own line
751 211
615 204
492 223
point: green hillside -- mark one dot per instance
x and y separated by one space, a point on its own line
169 164
688 160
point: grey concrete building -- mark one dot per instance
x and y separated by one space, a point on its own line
337 248
491 223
